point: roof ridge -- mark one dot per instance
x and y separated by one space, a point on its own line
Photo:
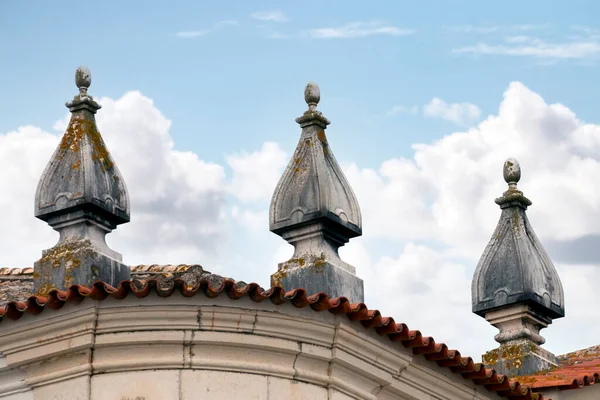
134 268
16 270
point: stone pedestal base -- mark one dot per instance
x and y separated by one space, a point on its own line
76 262
518 359
317 274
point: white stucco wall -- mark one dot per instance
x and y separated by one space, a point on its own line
180 348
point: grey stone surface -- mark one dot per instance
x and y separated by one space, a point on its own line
519 359
16 284
516 287
514 267
314 209
76 262
83 196
316 274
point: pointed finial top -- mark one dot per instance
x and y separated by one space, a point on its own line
83 101
83 78
312 116
512 172
312 95
513 196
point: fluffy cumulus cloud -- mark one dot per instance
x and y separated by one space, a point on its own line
23 156
443 197
426 218
255 175
177 199
459 113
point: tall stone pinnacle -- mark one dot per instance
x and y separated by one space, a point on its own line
516 287
82 195
315 210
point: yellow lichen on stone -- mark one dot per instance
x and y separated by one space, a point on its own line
279 275
45 289
490 358
319 263
78 129
323 139
68 281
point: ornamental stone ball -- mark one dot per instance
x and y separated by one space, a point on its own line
512 171
83 77
312 94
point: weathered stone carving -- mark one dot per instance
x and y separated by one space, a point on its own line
516 287
83 196
315 210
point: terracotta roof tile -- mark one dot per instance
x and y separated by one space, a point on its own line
577 369
213 285
16 271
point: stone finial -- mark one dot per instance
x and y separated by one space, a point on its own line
83 79
314 209
312 95
83 196
512 172
516 287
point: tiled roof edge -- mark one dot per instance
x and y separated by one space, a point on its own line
213 285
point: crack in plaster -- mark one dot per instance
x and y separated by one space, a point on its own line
255 321
295 376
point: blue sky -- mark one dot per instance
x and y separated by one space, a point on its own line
238 84
475 82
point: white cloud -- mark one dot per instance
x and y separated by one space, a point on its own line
204 32
518 39
488 29
254 175
459 113
428 218
400 109
357 30
271 16
456 178
577 42
446 193
192 34
177 200
426 290
537 48
256 222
